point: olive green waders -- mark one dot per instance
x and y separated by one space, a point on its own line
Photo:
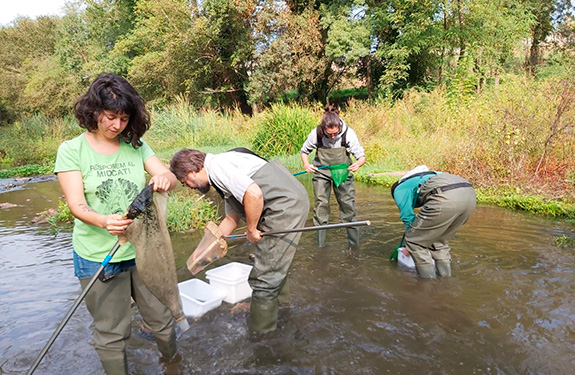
286 206
109 303
442 214
344 194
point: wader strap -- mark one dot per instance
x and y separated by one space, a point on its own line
450 187
237 149
220 192
246 151
394 186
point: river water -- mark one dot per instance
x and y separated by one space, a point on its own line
508 309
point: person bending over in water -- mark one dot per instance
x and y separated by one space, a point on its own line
446 202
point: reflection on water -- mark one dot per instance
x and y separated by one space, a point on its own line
509 309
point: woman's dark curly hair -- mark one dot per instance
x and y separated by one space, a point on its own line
113 93
329 120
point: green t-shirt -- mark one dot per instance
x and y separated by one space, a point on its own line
111 182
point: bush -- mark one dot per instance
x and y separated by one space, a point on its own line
35 139
283 130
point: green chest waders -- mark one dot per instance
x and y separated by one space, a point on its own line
286 206
344 193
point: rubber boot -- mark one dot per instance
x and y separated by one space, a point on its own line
263 315
426 271
168 346
353 237
115 366
443 268
321 235
284 296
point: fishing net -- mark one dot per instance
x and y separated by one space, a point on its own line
339 173
212 247
155 257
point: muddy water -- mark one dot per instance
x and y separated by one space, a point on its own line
509 309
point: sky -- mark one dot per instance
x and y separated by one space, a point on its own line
10 9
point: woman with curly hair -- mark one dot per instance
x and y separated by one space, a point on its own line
101 172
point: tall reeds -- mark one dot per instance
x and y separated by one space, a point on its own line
283 129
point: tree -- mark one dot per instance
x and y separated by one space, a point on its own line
25 45
547 15
288 53
201 52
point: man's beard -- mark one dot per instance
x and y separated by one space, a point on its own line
203 188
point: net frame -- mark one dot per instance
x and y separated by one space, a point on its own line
212 247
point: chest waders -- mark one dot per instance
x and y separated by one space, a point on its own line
447 201
286 206
344 193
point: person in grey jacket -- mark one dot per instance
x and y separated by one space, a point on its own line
446 202
333 141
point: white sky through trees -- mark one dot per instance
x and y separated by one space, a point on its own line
10 9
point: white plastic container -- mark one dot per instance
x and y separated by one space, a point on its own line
199 297
404 260
233 279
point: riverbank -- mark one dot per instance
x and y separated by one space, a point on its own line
513 141
189 211
15 183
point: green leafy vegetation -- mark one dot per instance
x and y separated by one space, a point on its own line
61 217
27 170
188 210
565 241
283 130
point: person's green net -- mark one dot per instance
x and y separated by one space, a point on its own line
339 173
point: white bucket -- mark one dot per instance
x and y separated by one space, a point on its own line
405 260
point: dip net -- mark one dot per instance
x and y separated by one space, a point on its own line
155 258
339 173
212 247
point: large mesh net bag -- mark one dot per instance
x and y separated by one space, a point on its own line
155 256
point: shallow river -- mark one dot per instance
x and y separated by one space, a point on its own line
509 308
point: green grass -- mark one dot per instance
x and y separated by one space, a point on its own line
283 130
27 170
188 210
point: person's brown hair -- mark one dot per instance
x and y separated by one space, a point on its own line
113 93
185 161
329 120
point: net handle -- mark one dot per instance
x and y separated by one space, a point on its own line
305 229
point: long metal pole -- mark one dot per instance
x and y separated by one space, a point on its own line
306 229
73 309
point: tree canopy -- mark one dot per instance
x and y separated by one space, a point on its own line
251 53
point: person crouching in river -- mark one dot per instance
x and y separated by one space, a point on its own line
446 202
